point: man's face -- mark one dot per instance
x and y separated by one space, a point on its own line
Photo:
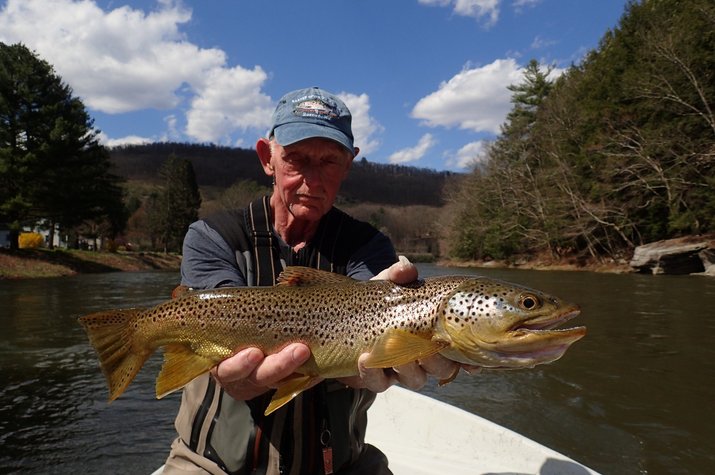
308 175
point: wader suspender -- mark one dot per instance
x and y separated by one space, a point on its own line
249 233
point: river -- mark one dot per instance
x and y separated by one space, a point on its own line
635 396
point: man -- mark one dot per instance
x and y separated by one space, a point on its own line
308 153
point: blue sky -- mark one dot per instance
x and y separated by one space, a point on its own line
425 79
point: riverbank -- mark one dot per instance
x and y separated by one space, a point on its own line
547 263
33 263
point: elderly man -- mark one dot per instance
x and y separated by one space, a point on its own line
308 153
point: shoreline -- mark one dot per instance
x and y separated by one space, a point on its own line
42 263
564 264
39 263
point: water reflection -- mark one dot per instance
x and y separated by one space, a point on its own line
631 397
628 398
54 417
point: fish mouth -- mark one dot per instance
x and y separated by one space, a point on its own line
540 335
549 323
526 344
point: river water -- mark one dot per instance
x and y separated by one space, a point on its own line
635 396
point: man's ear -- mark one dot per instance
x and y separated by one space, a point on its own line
350 163
263 149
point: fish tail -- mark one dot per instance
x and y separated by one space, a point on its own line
111 334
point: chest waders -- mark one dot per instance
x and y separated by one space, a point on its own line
322 427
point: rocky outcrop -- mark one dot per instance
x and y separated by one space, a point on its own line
688 255
708 258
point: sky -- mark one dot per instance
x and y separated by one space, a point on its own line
426 80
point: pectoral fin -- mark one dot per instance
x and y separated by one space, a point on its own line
181 365
398 347
288 391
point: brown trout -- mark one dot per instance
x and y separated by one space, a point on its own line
472 320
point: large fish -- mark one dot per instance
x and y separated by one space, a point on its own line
473 320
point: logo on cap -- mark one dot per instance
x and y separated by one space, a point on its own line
315 108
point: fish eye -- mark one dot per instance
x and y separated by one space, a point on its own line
530 301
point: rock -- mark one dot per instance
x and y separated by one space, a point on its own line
708 258
688 255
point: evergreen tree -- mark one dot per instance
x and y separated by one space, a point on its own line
52 166
503 206
619 150
177 205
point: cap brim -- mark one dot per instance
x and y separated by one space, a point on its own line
288 134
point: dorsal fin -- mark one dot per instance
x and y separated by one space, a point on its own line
298 276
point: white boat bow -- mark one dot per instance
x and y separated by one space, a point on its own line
423 436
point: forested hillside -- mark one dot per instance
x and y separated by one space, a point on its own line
221 167
619 150
404 202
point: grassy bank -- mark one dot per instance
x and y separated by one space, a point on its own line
31 263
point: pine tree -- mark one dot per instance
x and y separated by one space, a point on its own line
504 205
177 205
52 166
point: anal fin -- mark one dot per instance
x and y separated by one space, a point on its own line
290 389
181 365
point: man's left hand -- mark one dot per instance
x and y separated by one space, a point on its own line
412 375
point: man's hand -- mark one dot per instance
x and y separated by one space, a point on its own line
412 375
250 373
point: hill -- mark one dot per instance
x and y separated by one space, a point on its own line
220 167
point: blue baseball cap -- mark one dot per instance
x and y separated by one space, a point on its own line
309 113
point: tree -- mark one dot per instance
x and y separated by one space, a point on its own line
52 166
619 150
177 204
504 206
241 193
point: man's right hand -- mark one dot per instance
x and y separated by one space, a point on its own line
250 373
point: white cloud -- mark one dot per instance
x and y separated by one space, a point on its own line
229 99
413 153
475 99
469 155
125 60
481 9
488 9
541 43
521 5
364 126
128 140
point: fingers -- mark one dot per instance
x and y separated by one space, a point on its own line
249 373
414 375
411 375
374 379
440 367
281 365
401 272
239 366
